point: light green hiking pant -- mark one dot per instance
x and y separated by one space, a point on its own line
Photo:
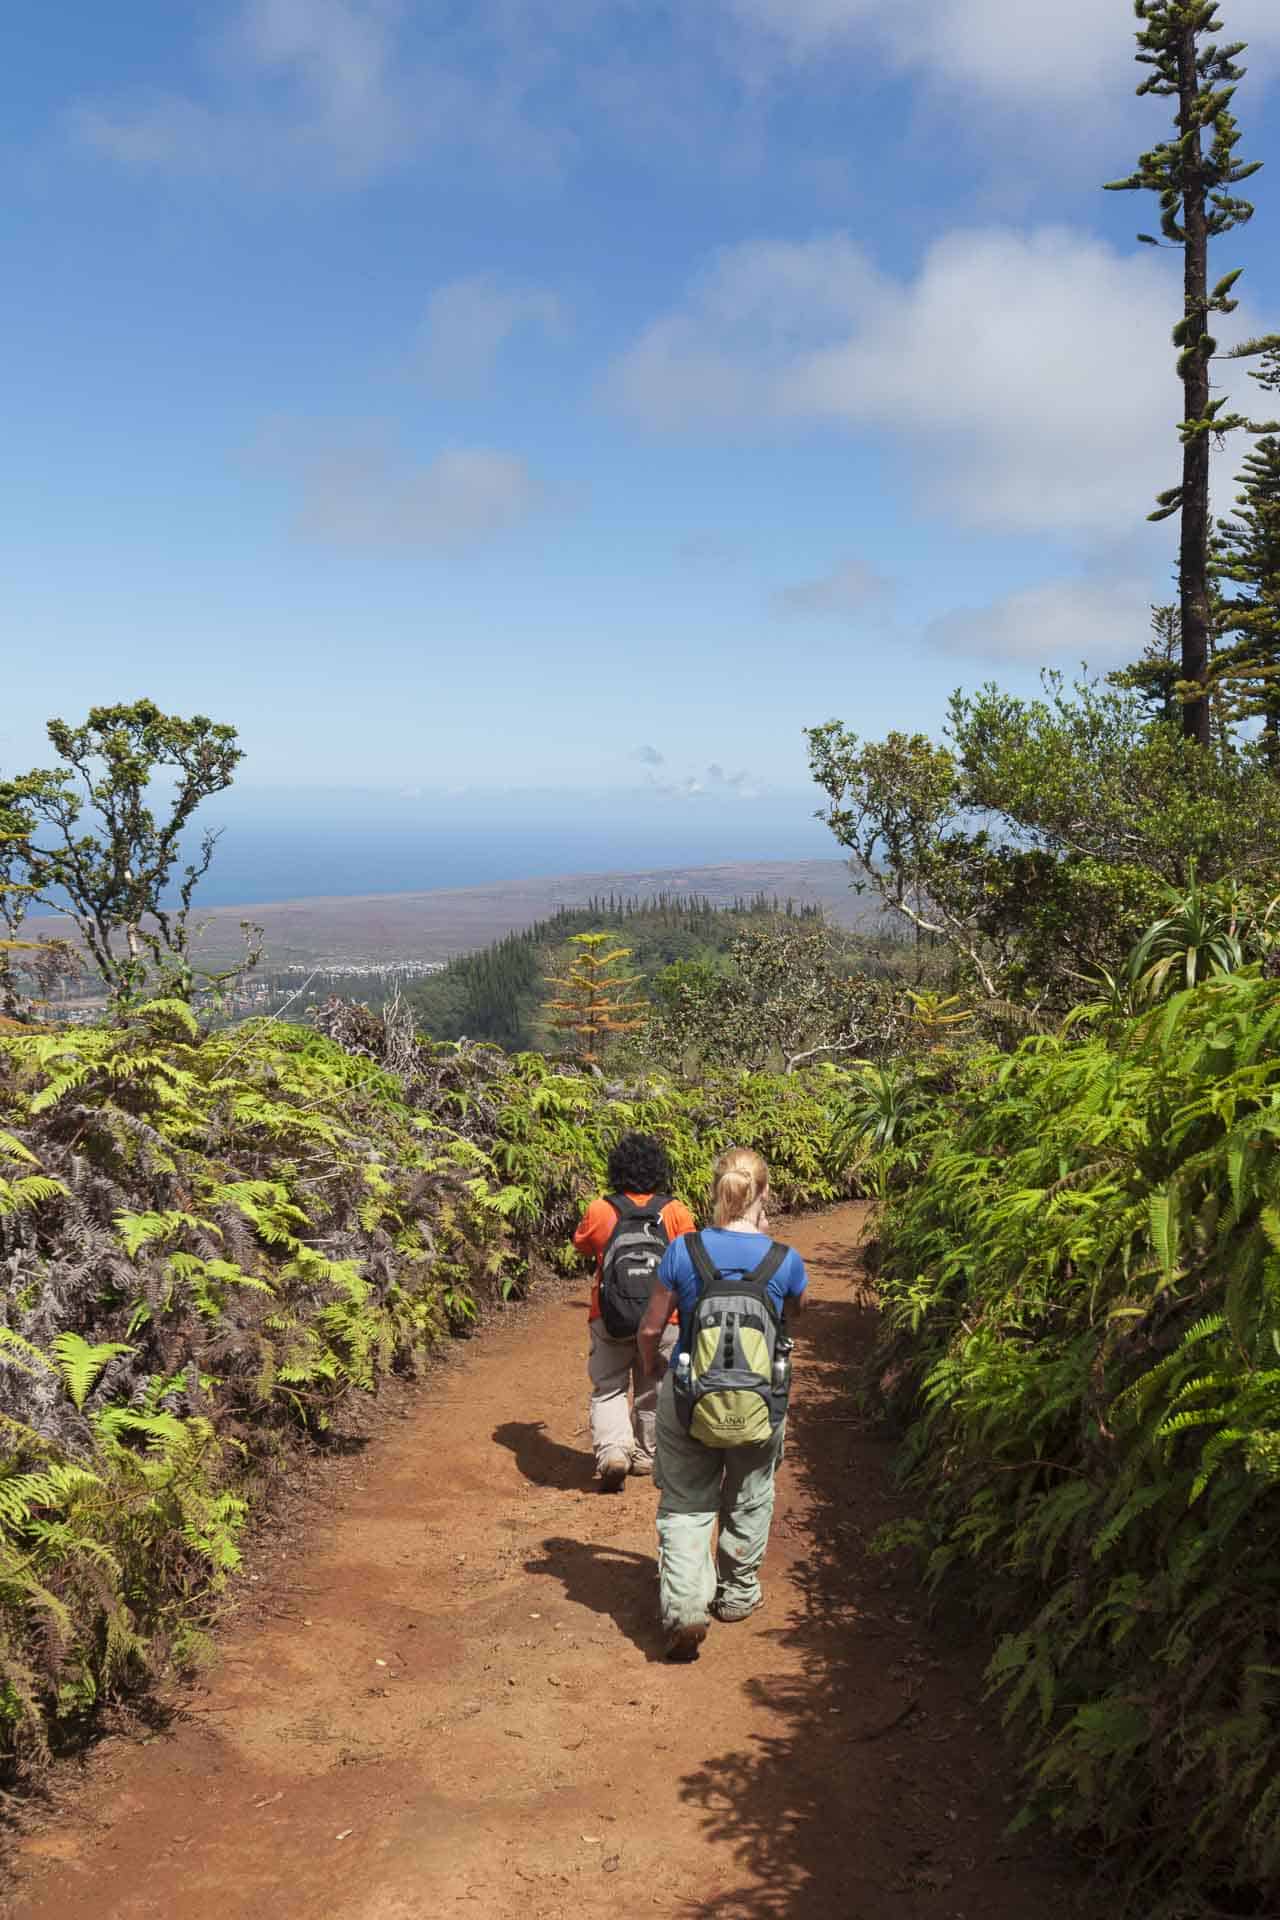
619 1427
700 1485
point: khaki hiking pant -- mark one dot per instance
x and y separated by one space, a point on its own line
617 1425
701 1486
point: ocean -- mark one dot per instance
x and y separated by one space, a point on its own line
348 846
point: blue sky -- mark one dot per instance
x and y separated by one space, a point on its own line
543 394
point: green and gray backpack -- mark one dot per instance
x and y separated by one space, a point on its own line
733 1391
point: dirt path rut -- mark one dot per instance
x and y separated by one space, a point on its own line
453 1703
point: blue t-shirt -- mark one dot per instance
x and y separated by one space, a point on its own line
735 1255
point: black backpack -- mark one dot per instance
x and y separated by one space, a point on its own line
630 1264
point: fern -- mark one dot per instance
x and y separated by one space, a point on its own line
81 1365
26 1194
1083 1288
138 1230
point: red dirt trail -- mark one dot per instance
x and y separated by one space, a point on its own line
451 1700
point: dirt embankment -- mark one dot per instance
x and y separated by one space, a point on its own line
451 1700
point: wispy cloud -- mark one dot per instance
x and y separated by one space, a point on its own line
713 783
848 590
649 757
469 322
708 552
1063 622
292 83
1012 50
311 91
742 785
365 491
302 91
687 789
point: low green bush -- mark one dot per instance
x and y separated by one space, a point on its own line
1082 1297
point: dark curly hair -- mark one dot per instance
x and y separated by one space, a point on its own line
639 1164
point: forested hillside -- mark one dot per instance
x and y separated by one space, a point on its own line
499 993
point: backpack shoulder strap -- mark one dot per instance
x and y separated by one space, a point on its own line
658 1204
763 1274
703 1265
626 1209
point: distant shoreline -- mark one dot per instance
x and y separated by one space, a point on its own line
439 923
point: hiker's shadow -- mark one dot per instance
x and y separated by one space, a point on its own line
544 1460
613 1581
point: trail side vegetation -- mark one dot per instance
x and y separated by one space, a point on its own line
1081 1289
1072 1141
215 1239
213 1242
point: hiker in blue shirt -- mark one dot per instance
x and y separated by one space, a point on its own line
722 1406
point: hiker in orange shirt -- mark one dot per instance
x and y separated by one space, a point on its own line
627 1235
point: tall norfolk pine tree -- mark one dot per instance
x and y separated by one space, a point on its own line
1247 554
1194 174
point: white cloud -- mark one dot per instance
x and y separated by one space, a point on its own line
305 89
752 318
369 494
689 788
1028 375
649 757
469 321
339 51
714 783
147 139
1027 51
850 589
304 80
309 89
1061 623
738 786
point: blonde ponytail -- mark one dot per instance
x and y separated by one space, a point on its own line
741 1178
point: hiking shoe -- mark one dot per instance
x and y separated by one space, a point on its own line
614 1472
683 1642
728 1611
642 1466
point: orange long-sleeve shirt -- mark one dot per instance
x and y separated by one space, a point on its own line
596 1229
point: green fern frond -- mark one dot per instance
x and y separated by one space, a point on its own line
81 1364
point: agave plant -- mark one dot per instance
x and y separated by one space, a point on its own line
873 1126
1116 997
1200 936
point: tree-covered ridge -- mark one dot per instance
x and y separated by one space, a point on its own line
498 994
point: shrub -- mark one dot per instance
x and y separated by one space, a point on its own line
1084 1286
